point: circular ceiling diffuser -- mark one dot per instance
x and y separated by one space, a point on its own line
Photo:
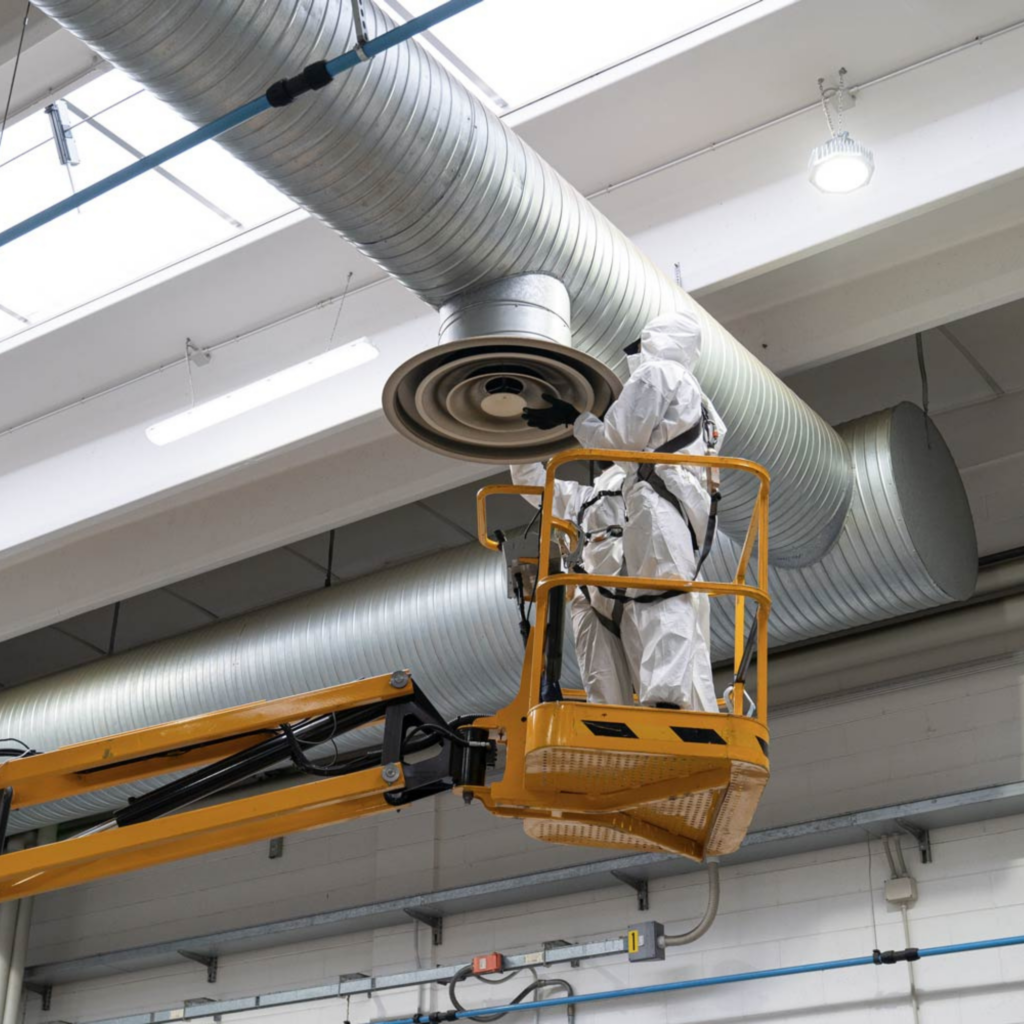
465 399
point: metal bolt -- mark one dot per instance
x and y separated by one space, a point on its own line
391 773
399 680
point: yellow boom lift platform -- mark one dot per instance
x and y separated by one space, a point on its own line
621 777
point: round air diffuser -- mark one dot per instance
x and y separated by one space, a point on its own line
465 399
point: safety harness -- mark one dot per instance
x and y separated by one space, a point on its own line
612 622
705 427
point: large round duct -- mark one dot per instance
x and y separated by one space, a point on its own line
411 168
908 541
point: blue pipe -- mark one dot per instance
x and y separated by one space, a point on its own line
232 119
720 979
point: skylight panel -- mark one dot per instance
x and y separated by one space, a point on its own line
525 49
198 200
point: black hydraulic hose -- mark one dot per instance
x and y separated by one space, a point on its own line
551 681
538 983
304 764
748 653
6 800
238 767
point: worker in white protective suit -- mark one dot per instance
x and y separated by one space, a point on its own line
599 513
661 408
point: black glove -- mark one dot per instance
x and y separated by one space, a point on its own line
557 414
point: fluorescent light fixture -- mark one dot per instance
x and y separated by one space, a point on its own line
262 392
841 165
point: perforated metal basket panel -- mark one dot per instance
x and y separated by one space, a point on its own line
577 770
576 833
690 813
746 783
717 818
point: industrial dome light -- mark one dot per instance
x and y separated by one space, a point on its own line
841 165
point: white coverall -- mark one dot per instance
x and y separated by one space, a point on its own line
603 665
667 643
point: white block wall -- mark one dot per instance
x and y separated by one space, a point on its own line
953 732
793 910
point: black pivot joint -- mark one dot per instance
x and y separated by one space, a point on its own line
895 956
316 76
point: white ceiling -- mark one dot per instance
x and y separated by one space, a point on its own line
735 80
12 15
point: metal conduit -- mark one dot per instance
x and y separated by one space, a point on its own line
876 959
413 170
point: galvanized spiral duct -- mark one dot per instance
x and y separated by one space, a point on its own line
412 169
907 543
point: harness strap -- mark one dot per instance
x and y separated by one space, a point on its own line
612 623
660 488
593 500
709 532
647 474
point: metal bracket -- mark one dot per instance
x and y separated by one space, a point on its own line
276 849
559 944
196 355
922 835
433 921
638 885
45 992
209 962
359 22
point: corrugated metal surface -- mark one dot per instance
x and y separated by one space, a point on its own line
907 543
400 159
445 616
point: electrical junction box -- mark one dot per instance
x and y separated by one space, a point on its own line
901 891
521 556
644 942
488 963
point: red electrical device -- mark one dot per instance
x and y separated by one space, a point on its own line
488 963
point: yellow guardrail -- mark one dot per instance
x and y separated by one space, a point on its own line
737 588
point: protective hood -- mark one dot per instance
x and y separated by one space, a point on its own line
674 336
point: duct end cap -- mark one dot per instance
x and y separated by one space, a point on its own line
933 502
